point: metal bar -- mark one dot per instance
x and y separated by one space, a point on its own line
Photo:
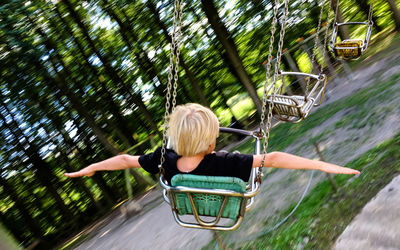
321 78
320 95
221 228
182 189
236 131
336 47
352 23
300 74
197 217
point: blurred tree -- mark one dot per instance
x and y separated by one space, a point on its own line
364 7
395 13
23 208
117 80
343 30
190 75
43 171
229 45
99 80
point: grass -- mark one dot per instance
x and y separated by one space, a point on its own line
324 214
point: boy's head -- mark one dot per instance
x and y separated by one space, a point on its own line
193 129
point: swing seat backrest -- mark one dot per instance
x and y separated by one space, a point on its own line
349 49
206 204
292 108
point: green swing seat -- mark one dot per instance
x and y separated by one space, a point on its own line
212 202
208 204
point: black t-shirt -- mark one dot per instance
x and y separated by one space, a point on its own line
214 164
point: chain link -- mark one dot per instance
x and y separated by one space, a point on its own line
371 11
316 41
173 74
336 12
268 67
266 130
325 43
266 133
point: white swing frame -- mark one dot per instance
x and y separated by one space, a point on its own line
295 108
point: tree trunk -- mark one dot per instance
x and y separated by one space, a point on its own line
23 208
43 173
49 44
87 153
57 121
229 45
395 13
78 106
65 162
143 61
221 94
102 87
298 86
316 68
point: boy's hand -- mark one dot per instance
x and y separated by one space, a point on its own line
333 169
83 172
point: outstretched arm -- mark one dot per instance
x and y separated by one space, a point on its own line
285 160
118 162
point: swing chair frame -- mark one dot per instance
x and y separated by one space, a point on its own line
246 199
295 108
350 49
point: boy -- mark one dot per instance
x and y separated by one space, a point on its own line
193 130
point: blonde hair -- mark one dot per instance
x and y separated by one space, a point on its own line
192 129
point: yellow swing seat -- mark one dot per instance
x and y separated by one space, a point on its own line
349 49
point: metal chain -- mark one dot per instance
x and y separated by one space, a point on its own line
325 43
371 11
316 41
265 131
277 67
280 44
336 12
172 73
178 41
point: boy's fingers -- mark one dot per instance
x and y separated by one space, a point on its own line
79 174
351 171
72 175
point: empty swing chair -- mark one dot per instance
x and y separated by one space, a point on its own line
295 108
350 49
207 202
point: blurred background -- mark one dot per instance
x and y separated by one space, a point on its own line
82 81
